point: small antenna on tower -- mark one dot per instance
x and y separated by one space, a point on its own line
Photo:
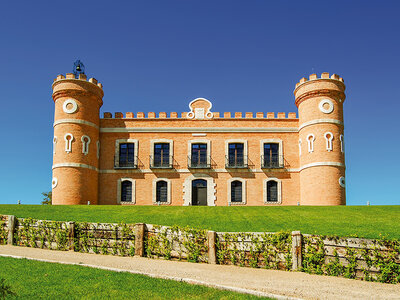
79 68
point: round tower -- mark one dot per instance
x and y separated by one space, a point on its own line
76 146
321 139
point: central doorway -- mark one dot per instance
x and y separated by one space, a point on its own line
199 192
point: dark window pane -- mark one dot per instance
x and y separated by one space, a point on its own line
236 191
161 191
271 154
199 154
235 155
272 191
126 191
161 154
126 154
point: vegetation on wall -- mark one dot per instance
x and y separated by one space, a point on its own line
178 242
3 232
266 250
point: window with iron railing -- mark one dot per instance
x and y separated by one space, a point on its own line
161 157
126 157
271 158
199 157
236 157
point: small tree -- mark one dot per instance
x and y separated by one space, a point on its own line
5 290
47 198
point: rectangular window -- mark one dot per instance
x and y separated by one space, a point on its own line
272 191
236 191
161 157
271 155
126 191
127 155
199 156
162 191
235 155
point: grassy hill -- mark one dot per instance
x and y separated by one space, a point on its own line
362 221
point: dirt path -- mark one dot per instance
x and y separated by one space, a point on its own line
276 284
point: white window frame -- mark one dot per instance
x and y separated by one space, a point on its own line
272 141
200 141
165 141
54 144
211 190
85 145
229 188
68 143
122 141
279 191
119 187
341 143
329 144
310 142
245 151
155 191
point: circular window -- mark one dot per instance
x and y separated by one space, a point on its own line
70 106
54 182
326 106
342 182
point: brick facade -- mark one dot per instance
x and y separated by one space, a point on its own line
307 167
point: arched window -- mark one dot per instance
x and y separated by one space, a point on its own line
310 141
272 191
329 137
236 191
161 191
126 191
68 138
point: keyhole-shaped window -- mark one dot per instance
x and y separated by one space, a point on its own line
54 144
85 144
342 143
310 141
329 138
68 137
299 146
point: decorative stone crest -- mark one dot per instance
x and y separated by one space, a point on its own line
200 109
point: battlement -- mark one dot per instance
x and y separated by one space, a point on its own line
215 115
82 77
324 75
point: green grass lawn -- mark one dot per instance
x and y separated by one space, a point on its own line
363 221
39 280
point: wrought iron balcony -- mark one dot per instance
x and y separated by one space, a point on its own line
238 161
130 162
161 161
272 162
199 162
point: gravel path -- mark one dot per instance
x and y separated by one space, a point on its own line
275 284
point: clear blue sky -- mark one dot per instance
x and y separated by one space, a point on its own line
241 55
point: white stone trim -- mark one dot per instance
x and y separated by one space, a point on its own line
68 142
273 141
54 144
323 109
341 143
320 121
279 191
98 149
245 151
199 129
187 189
329 144
310 142
323 163
74 121
299 147
200 141
229 190
168 191
119 187
199 113
123 141
145 171
342 182
164 141
71 110
54 182
85 144
74 165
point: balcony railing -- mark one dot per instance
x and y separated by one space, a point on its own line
161 161
238 161
272 161
199 162
126 162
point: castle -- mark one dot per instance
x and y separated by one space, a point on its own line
199 157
